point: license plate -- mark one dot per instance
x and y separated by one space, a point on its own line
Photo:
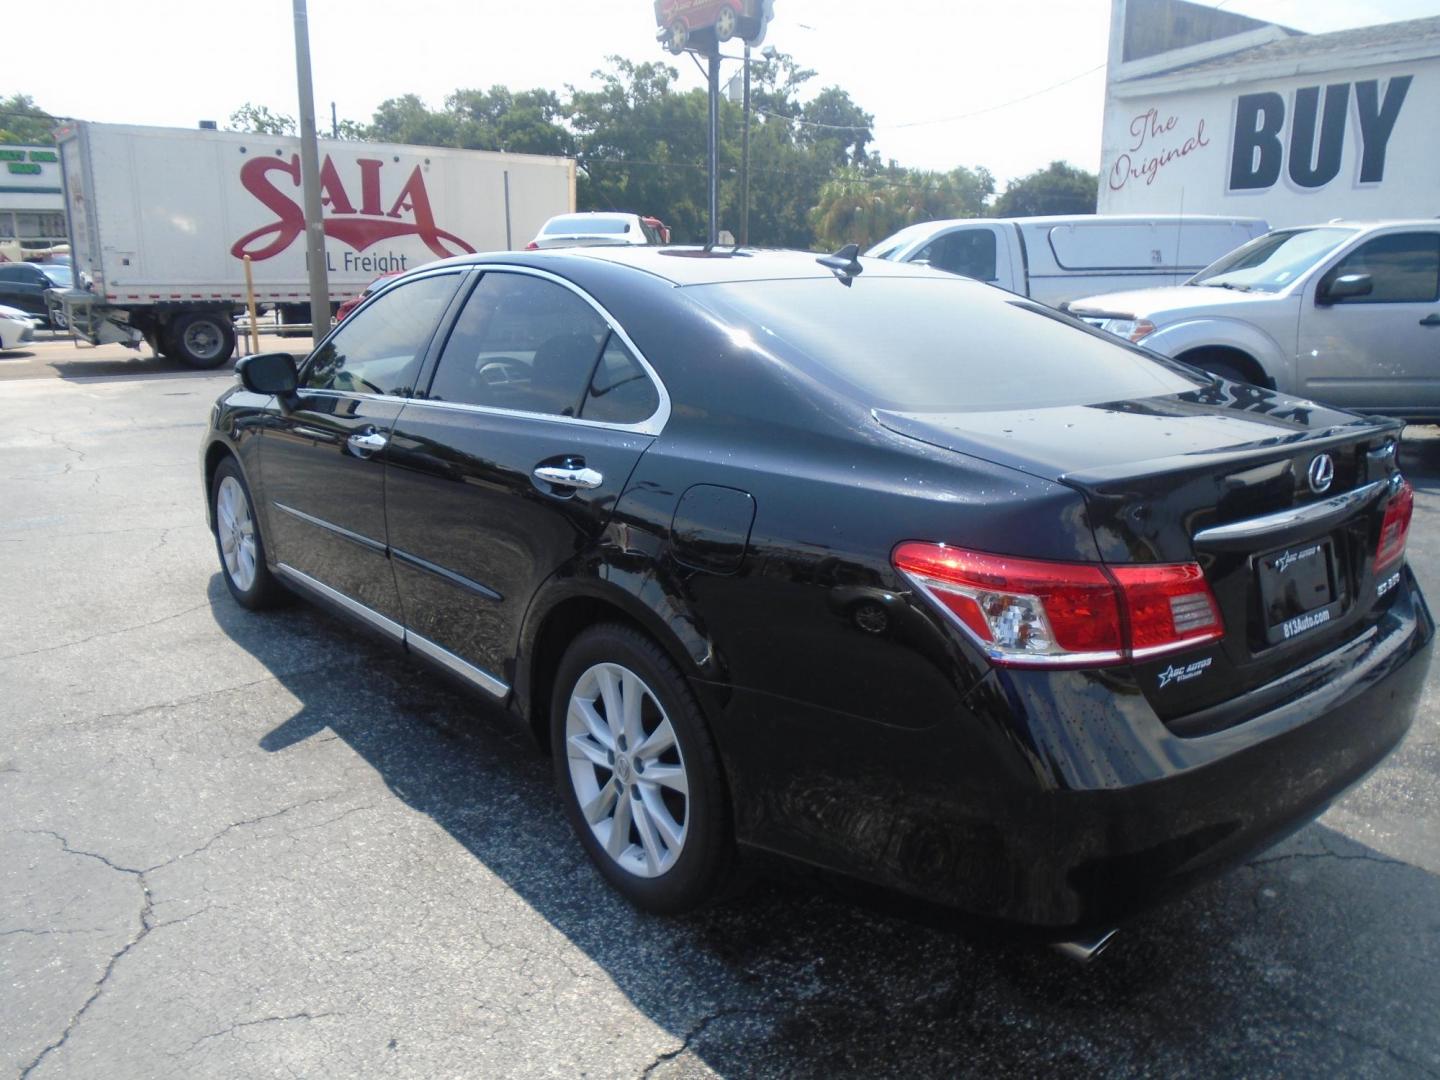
1297 590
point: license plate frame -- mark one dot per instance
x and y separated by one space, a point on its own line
1299 589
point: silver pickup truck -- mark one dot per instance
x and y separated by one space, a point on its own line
1345 313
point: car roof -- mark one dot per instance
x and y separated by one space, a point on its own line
684 266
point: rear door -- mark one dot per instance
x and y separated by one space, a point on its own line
510 466
322 461
1379 352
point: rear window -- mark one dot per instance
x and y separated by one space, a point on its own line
943 345
572 226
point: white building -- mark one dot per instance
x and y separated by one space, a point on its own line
32 202
1208 112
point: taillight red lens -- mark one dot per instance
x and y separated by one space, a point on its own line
1167 606
532 246
1395 529
1033 613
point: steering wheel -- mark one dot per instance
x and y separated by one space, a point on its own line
502 371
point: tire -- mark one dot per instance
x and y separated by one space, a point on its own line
1219 363
203 340
676 852
238 541
679 37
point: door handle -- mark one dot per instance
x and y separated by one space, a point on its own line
1431 320
569 476
367 444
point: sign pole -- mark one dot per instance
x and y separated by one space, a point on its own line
745 161
310 179
714 144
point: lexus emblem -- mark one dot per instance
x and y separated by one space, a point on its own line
1322 473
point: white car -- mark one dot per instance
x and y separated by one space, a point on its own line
598 230
1346 313
15 327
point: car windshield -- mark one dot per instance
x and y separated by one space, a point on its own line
587 226
1273 261
59 275
940 345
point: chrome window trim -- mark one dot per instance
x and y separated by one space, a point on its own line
1310 515
467 671
346 534
654 424
388 626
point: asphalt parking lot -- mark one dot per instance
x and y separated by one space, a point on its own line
239 845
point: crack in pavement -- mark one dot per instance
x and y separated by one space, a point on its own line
694 1033
1357 857
303 1015
147 907
105 633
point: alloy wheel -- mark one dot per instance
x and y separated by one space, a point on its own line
627 770
236 529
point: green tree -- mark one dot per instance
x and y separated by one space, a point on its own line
527 122
22 121
863 207
261 121
407 119
1060 188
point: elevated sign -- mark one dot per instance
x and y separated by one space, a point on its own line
701 25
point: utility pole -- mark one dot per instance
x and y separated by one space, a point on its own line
745 160
310 179
714 143
334 122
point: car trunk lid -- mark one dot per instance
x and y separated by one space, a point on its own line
1220 476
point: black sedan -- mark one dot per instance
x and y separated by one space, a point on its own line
877 568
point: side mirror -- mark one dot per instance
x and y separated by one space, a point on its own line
1345 287
268 373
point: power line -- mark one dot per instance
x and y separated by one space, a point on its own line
939 120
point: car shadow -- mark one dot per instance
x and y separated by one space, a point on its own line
1319 956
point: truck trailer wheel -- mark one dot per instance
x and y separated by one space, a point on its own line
202 340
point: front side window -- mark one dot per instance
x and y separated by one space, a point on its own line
1404 268
968 252
379 349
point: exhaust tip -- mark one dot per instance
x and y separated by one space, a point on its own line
1084 950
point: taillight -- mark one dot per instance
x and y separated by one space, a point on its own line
532 246
1395 529
1033 613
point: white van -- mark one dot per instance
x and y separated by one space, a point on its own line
1054 259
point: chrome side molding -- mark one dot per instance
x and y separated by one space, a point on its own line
389 627
445 658
424 646
1085 950
1314 515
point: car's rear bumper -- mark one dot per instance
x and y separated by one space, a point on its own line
1065 804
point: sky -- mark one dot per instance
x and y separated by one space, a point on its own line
942 77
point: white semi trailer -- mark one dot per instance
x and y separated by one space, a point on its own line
162 218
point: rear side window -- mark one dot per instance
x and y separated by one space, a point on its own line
1405 268
941 345
378 350
967 252
521 343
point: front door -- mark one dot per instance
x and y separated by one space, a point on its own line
535 418
323 460
1380 351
